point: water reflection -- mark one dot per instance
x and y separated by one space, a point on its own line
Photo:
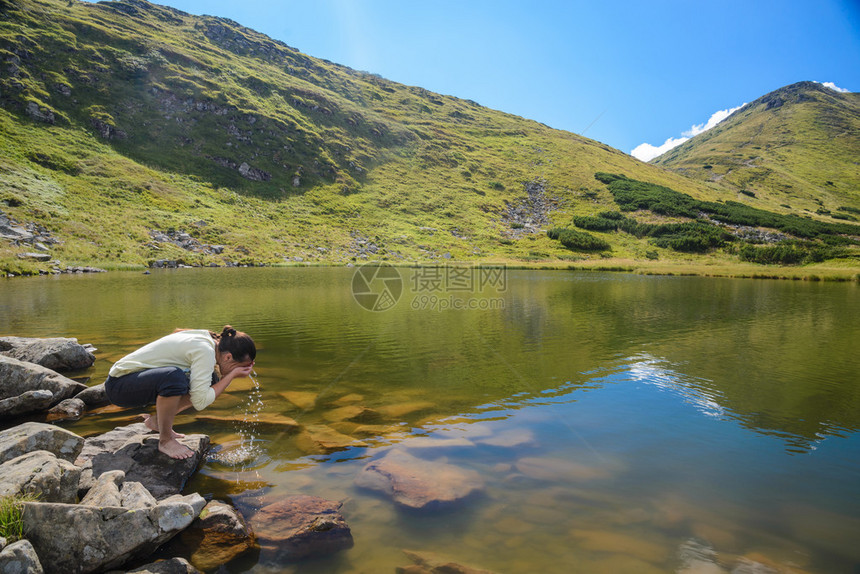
612 418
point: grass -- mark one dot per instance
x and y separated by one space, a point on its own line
11 516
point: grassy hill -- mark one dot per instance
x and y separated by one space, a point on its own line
795 149
133 132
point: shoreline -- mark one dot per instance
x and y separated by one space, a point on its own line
815 273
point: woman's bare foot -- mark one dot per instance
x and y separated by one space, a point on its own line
152 424
175 450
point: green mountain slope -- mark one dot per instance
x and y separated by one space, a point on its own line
797 148
133 132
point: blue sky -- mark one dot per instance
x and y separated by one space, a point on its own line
623 73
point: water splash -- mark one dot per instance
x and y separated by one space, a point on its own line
248 449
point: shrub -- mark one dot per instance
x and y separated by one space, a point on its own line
578 240
595 223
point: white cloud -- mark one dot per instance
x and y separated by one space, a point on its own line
647 152
833 87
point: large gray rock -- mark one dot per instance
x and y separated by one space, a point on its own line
31 436
219 535
417 483
41 473
25 403
94 396
135 495
77 539
300 527
20 558
17 377
134 450
57 354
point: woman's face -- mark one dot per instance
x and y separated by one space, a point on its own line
228 363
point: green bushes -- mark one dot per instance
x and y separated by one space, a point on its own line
787 253
595 223
577 240
631 195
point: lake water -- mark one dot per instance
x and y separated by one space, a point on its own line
617 421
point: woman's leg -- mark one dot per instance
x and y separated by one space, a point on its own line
166 409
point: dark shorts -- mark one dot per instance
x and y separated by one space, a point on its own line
144 387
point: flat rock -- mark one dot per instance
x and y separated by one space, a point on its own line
26 403
20 376
305 400
301 527
420 484
136 453
321 439
269 421
20 558
57 353
82 539
31 436
41 473
217 536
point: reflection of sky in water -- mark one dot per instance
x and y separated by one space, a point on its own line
647 369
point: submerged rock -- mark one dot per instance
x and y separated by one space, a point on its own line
321 439
301 527
303 399
416 483
431 563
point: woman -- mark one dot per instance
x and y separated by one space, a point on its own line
177 372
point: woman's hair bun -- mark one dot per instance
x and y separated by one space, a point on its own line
228 331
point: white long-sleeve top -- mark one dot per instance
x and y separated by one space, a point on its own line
193 349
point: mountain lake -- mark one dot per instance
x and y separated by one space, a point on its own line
617 423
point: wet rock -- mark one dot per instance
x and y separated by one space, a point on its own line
25 403
69 409
83 539
217 536
40 473
431 563
32 436
134 451
57 353
416 483
20 376
321 439
94 397
20 557
301 527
